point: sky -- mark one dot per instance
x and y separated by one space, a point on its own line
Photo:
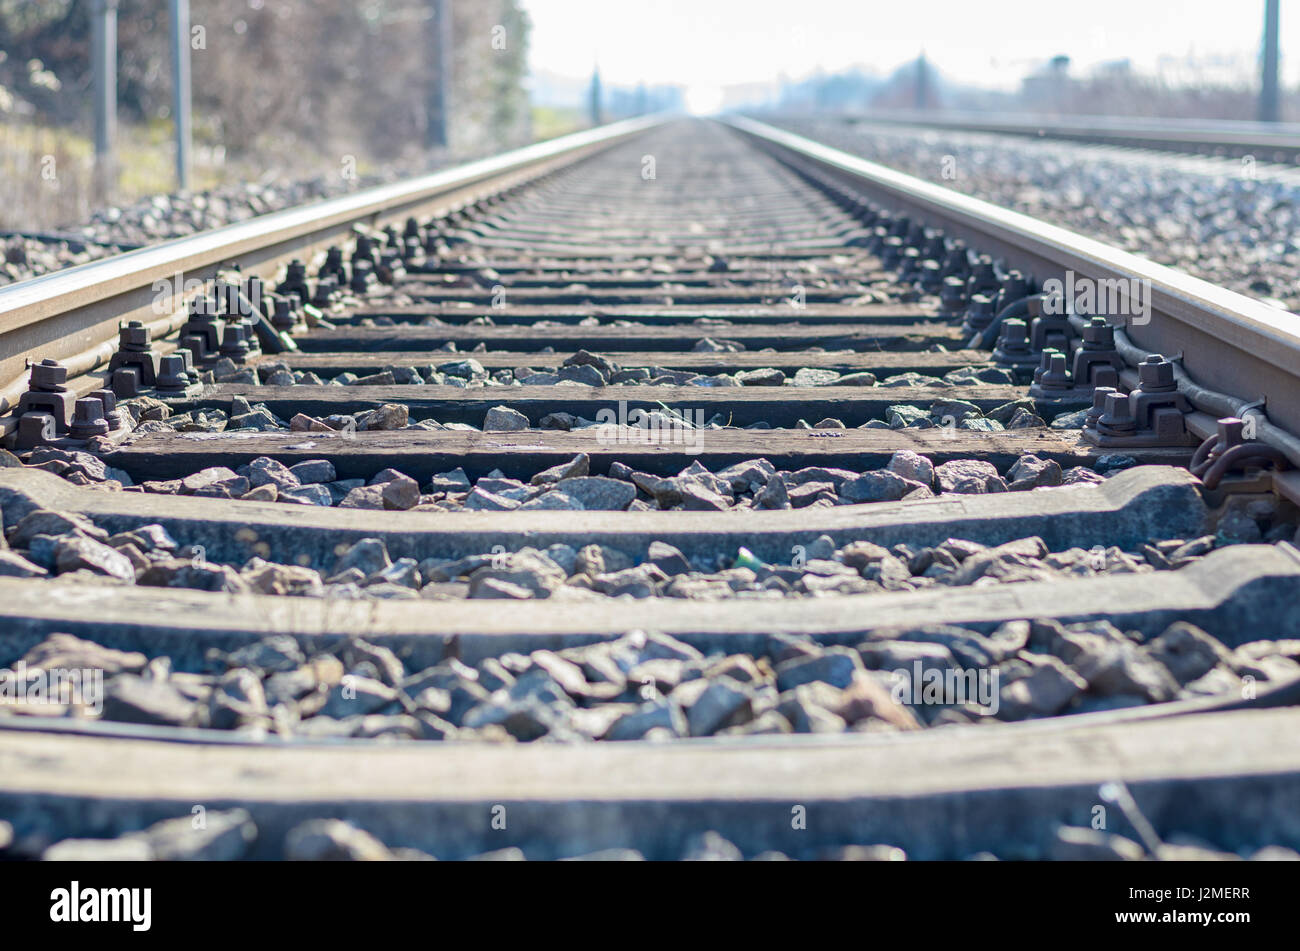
708 44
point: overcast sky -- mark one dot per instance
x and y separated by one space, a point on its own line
710 43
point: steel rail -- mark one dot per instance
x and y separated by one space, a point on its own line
1263 141
73 315
1230 344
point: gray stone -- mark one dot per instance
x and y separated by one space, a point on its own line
331 840
14 565
969 476
275 652
656 714
504 419
722 703
696 497
66 651
579 465
813 376
1044 691
528 568
835 666
147 538
206 477
881 485
1187 652
400 493
127 848
480 499
774 495
902 415
266 471
76 552
129 698
237 700
667 558
524 718
912 466
1081 844
369 555
599 493
582 373
454 481
808 708
711 847
1125 669
355 695
306 495
1030 472
764 377
314 471
389 416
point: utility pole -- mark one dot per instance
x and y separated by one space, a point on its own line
594 103
440 83
180 14
104 67
922 83
1269 102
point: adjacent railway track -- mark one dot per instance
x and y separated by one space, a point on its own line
677 489
1266 142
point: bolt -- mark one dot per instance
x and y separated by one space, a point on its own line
1098 407
111 413
204 309
909 265
88 419
952 297
234 343
1054 376
1014 336
49 376
1014 287
171 374
1098 335
956 262
891 250
1232 432
283 317
980 312
1156 375
1117 419
187 356
134 337
930 279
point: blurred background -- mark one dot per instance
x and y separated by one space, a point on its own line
293 99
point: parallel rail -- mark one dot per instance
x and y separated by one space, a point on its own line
73 315
1266 142
1244 350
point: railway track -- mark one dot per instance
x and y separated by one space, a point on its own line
674 490
1264 141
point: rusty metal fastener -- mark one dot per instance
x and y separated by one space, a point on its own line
88 419
1228 450
172 377
1013 345
111 413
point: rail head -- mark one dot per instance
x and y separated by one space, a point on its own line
1229 342
1231 136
